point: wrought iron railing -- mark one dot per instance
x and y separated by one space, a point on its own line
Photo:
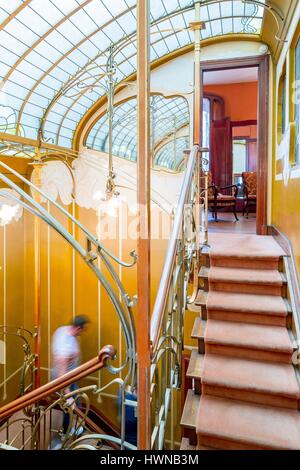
25 373
167 326
34 421
92 252
188 234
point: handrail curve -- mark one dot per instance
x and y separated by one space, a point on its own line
121 304
167 274
93 365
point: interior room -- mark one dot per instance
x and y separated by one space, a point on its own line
230 107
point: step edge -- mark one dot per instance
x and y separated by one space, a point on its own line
190 396
230 386
199 358
247 346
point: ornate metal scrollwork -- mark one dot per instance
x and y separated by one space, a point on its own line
27 368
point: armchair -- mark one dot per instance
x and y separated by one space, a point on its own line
250 190
217 200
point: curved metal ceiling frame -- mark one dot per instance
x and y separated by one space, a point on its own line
166 102
56 63
164 156
46 73
129 39
67 54
167 105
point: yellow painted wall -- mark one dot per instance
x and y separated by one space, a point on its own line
68 288
285 212
12 289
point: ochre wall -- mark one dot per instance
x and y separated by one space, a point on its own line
12 296
286 184
240 99
68 288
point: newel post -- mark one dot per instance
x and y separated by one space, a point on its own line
144 237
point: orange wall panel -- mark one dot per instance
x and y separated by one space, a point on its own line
241 99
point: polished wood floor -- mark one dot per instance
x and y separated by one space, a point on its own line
227 223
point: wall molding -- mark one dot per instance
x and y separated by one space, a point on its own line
292 274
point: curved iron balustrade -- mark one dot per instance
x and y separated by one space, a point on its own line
34 421
167 323
123 306
28 367
167 320
38 429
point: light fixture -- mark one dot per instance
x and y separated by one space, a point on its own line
10 210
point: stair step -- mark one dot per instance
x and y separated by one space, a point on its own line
265 383
204 271
205 255
201 298
185 445
260 342
249 308
198 329
245 251
205 250
246 261
246 281
190 410
231 424
203 278
198 333
194 308
195 369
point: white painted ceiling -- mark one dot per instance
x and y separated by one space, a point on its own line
220 77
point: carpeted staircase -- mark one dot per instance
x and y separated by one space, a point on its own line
246 392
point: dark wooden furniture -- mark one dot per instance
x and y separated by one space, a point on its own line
250 190
217 200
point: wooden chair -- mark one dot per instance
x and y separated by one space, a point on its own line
217 200
250 190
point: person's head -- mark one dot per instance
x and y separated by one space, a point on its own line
79 324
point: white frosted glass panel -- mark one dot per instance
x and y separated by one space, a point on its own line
10 6
76 40
4 69
66 6
216 27
64 142
226 9
67 123
12 44
68 30
21 32
34 21
41 62
98 12
51 127
48 9
227 26
239 9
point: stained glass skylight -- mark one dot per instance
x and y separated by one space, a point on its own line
48 47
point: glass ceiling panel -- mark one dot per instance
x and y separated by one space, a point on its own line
48 48
171 155
169 116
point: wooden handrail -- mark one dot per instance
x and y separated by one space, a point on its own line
95 364
166 278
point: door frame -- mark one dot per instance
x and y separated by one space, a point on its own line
262 64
